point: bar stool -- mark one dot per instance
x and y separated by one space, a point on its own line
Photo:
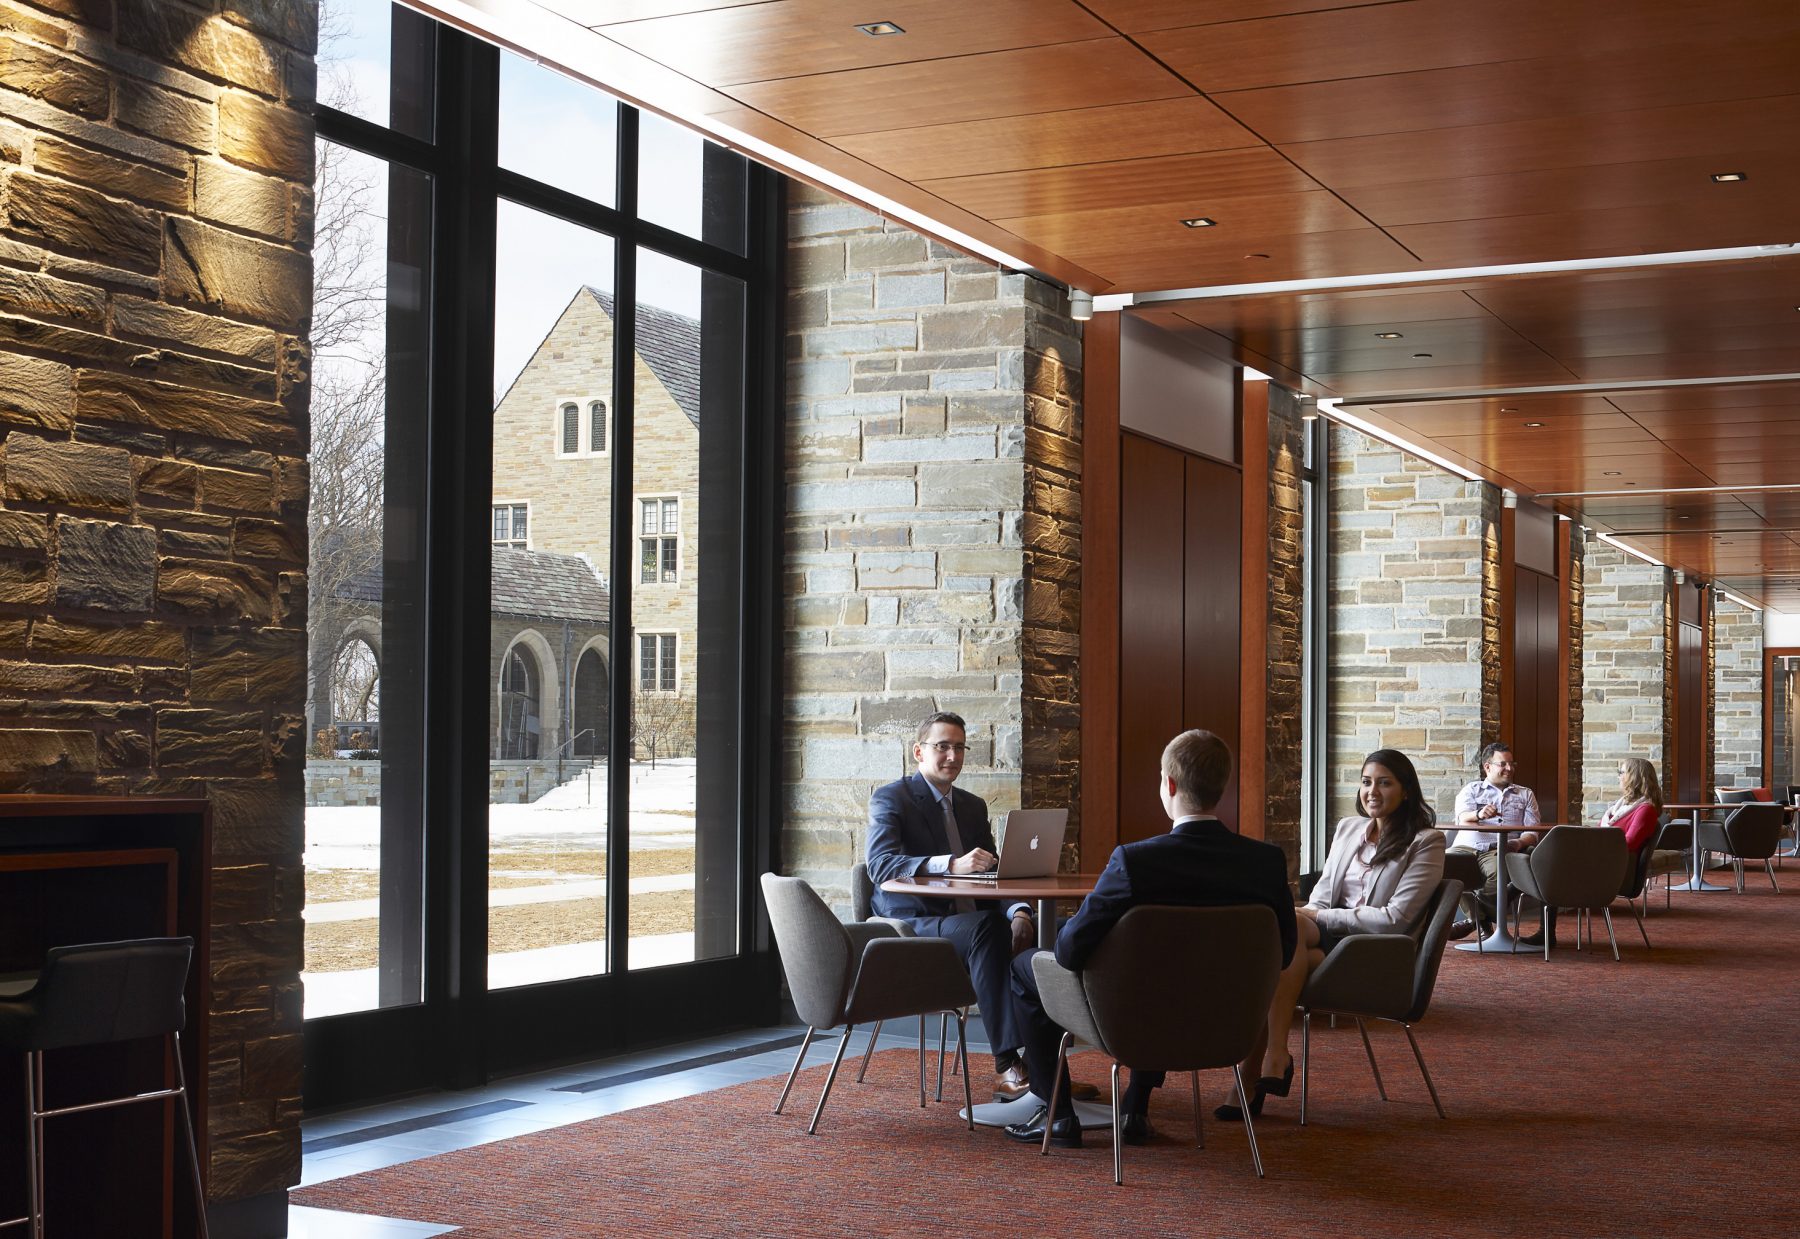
94 994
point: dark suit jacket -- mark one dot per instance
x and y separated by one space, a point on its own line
906 829
1198 864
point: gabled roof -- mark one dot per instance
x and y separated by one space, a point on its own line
542 585
669 343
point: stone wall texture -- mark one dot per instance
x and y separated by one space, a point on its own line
1286 614
1624 641
1409 628
932 526
155 287
1573 570
1737 694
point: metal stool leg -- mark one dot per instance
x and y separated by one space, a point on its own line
187 1124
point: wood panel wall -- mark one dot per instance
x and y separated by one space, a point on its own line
1536 701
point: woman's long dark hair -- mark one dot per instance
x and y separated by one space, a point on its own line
1414 814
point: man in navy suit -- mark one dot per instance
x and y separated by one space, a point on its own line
921 825
1201 862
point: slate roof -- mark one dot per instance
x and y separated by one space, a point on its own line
669 343
542 585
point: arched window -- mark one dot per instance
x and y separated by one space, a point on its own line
597 426
571 430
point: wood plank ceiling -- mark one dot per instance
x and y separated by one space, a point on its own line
1327 139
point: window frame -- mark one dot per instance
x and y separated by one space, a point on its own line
660 636
661 536
512 506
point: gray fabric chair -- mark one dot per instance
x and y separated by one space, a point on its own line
96 994
1668 857
862 910
1381 977
1637 882
1169 989
1752 831
852 974
1580 867
1734 795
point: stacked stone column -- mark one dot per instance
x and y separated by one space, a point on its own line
155 286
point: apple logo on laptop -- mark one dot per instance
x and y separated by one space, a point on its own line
1034 843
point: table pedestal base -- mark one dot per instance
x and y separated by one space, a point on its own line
1500 941
1093 1115
1701 884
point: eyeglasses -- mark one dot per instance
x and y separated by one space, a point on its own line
948 746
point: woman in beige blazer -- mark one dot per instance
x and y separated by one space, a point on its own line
1377 879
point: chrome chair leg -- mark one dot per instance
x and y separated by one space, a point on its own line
1432 1088
1738 864
962 1053
1607 913
1118 1133
1306 1056
1062 1068
864 1069
1199 1127
1641 929
921 1060
1370 1050
187 1124
943 1045
1237 1073
812 1128
798 1059
1770 869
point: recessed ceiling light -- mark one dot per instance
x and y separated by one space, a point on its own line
1631 483
1199 221
1508 409
1534 425
1395 335
1421 354
1722 177
881 28
1724 543
1611 473
1684 517
1255 255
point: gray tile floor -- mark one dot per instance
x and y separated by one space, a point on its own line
348 1142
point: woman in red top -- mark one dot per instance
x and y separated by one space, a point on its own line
1639 806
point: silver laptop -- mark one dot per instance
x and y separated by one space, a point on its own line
1030 844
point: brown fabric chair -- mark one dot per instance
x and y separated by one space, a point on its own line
862 910
1169 989
1752 831
1580 867
851 974
1381 977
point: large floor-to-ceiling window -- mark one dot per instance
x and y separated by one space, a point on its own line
539 597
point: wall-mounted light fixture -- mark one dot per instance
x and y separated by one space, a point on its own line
1081 305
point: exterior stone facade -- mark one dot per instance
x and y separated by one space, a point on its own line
1409 621
1286 617
1624 641
1737 694
155 287
933 525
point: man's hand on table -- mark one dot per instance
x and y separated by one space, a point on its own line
978 861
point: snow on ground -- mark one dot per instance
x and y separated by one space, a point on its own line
574 814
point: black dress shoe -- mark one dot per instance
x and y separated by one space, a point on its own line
1461 929
1136 1129
1231 1114
1065 1133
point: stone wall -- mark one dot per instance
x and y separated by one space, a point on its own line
932 442
1286 616
1737 694
1573 570
155 287
1408 618
1624 613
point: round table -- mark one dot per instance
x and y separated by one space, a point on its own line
1044 892
1501 939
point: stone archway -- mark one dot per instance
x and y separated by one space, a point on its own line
590 705
528 699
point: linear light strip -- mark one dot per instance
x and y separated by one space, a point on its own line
1569 389
1629 550
1330 408
1667 490
1443 274
1742 602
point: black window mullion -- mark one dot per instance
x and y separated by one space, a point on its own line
585 212
624 552
376 140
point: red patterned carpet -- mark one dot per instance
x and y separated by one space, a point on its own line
1586 1098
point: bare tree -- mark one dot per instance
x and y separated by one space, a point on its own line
662 724
349 403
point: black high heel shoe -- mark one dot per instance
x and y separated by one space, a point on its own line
1276 1086
1231 1114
